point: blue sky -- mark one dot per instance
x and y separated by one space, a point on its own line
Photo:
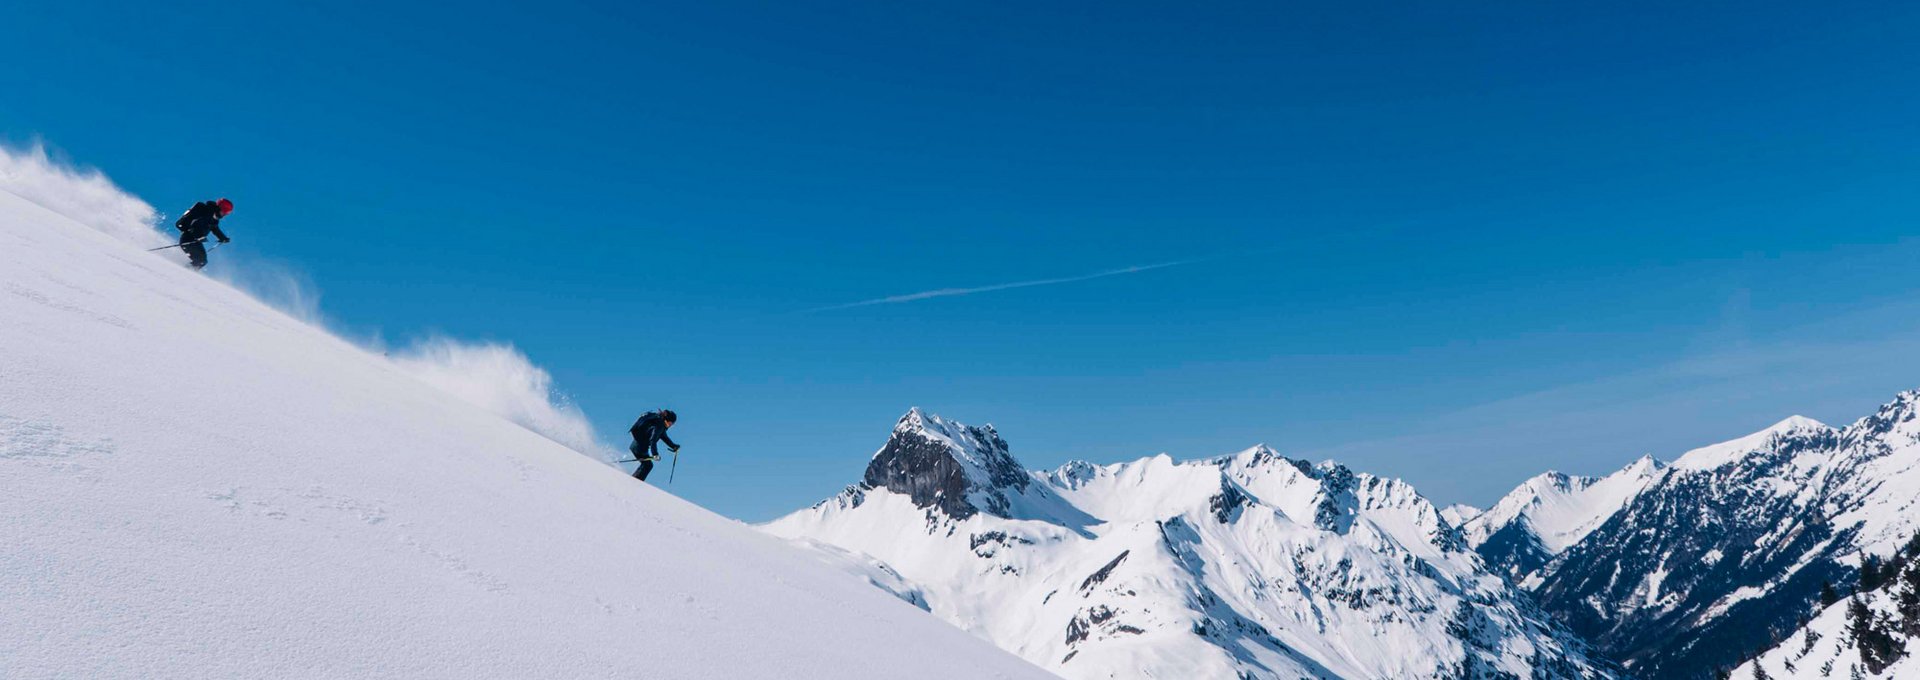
1454 245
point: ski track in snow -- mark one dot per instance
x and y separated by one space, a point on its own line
45 444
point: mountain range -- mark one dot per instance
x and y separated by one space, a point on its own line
1257 565
1249 565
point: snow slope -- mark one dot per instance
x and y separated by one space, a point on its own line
1873 633
1459 513
1249 565
1825 649
198 486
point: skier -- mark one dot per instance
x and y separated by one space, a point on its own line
648 432
201 219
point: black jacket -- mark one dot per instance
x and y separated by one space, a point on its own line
202 218
648 432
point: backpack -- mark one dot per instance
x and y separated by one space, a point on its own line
191 219
647 421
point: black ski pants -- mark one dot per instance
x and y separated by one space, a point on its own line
196 250
646 463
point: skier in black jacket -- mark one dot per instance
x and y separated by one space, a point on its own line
648 432
201 219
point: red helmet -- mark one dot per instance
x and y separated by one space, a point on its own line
226 207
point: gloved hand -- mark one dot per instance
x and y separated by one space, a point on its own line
674 449
224 239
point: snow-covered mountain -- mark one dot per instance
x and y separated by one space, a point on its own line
1722 552
1249 565
1459 513
194 485
1544 515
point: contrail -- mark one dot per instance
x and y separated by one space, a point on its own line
951 292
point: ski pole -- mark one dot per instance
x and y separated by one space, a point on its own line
675 468
176 245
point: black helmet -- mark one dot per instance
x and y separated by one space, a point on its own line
668 415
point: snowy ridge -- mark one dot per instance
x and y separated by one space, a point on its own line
199 486
1723 453
1720 553
1459 513
1245 565
1544 515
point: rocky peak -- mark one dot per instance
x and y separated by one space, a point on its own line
940 463
1336 507
1073 474
1898 417
1645 465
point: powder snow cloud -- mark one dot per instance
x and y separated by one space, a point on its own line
501 379
82 194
